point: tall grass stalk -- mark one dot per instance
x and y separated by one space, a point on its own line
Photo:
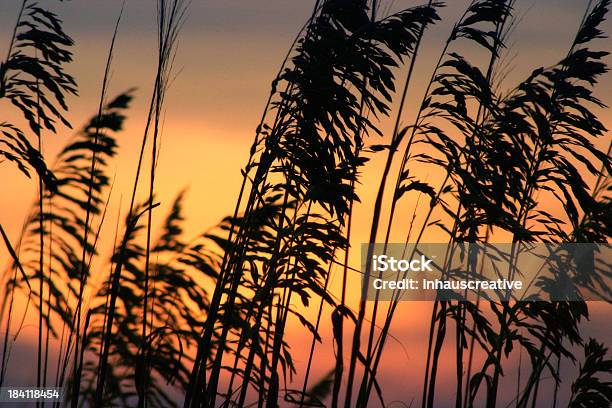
78 357
170 16
396 140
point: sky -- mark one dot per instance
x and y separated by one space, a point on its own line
228 54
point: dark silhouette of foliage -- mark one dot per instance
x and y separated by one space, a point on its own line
589 390
64 216
15 147
178 304
142 327
33 76
309 155
34 80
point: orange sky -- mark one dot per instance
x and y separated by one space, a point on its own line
229 52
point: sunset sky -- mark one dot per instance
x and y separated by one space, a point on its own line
229 52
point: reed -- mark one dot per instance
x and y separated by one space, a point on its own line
147 329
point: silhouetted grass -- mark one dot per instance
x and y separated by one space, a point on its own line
153 329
